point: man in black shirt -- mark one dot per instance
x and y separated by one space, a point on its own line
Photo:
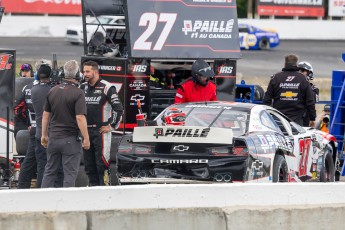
66 109
104 111
39 94
290 93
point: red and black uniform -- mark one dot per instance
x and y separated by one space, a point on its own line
25 115
291 94
103 108
190 91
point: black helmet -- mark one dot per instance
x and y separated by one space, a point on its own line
200 68
306 66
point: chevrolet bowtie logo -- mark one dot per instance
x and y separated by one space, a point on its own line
137 97
257 165
288 94
180 148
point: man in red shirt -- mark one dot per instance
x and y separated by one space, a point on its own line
198 87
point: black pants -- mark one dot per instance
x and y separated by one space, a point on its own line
97 158
66 151
28 168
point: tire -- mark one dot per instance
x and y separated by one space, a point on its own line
280 169
82 179
264 44
259 93
22 141
113 174
327 171
115 141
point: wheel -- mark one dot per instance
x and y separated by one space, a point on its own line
259 93
114 179
327 171
22 141
264 44
280 169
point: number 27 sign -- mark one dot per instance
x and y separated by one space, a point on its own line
186 29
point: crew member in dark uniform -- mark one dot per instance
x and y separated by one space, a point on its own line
39 94
290 92
198 87
104 113
65 108
307 70
24 110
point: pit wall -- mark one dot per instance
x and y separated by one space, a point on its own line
207 206
55 26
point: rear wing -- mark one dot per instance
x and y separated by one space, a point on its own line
183 134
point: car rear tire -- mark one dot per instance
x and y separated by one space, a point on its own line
22 142
280 169
264 44
327 172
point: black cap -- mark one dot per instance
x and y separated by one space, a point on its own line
44 71
327 108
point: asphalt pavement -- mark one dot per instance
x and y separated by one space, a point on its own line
325 56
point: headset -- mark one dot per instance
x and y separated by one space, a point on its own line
26 65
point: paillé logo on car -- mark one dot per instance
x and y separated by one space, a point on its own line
158 132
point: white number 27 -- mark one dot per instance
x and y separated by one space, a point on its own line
150 21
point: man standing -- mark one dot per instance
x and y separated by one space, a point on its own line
66 109
39 93
198 87
307 70
290 93
104 112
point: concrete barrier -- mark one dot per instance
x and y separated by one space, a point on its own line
207 206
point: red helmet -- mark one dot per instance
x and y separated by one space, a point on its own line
174 116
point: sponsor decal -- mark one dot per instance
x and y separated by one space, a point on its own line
181 148
208 29
139 68
92 100
225 69
138 85
181 132
257 166
180 161
289 94
110 68
137 97
4 61
208 106
289 85
98 91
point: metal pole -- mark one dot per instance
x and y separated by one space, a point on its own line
8 143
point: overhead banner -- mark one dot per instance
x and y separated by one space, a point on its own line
58 7
183 29
336 8
301 8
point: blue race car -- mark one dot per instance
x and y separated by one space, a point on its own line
253 38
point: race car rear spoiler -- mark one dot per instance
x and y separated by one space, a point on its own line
183 134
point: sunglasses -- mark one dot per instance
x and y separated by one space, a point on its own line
25 67
205 69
